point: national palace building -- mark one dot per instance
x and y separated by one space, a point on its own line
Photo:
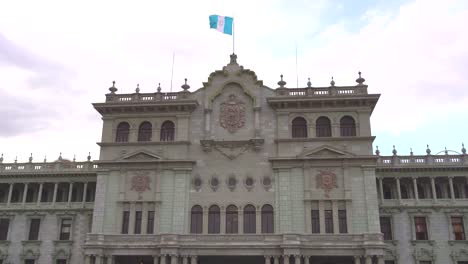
237 173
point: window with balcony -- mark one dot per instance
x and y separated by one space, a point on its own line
323 127
420 225
214 221
196 220
315 218
250 220
299 127
145 132
232 224
34 226
267 219
386 227
347 127
122 133
65 229
167 131
4 227
457 227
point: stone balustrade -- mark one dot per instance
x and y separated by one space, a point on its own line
422 160
64 166
322 91
146 97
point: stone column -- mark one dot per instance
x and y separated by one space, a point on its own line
285 259
70 190
357 259
85 187
131 220
54 197
240 222
207 123
368 259
306 259
415 188
87 259
258 221
174 259
193 260
297 259
276 259
185 260
336 224
25 193
112 258
381 188
205 221
267 260
10 190
434 194
398 189
144 218
452 193
155 259
380 260
222 219
39 194
163 259
257 121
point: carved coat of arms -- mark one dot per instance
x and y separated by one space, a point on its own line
326 180
232 115
140 182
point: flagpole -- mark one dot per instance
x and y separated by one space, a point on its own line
172 72
297 75
233 36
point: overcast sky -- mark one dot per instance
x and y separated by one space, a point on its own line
57 57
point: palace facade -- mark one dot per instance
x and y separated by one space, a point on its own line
236 172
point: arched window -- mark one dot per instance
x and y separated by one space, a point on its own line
347 127
232 225
250 223
196 220
167 131
213 220
145 131
421 192
323 127
267 219
123 130
299 128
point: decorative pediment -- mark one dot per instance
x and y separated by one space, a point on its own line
141 155
325 151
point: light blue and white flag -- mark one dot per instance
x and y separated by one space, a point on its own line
221 23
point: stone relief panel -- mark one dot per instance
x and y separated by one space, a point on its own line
140 185
326 182
232 115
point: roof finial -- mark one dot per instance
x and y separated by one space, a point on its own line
159 87
60 157
377 151
16 159
185 86
428 150
411 151
332 83
89 156
394 151
113 89
309 84
463 149
30 158
1 158
360 80
74 157
281 83
137 90
233 59
446 151
45 158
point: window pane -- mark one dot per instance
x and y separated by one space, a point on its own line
343 226
61 261
167 131
299 128
138 216
125 222
386 228
65 229
458 230
231 220
123 130
347 127
150 226
421 228
34 229
315 221
214 220
144 132
267 219
323 127
328 221
196 220
250 220
4 226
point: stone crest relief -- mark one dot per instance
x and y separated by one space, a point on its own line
140 182
232 114
326 180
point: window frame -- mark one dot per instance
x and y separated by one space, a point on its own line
214 219
348 129
120 138
60 221
150 221
145 134
427 223
248 227
10 220
267 219
324 129
125 228
167 134
390 222
232 219
196 227
38 235
315 221
299 130
137 226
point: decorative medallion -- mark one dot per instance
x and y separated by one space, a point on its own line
326 180
141 182
232 116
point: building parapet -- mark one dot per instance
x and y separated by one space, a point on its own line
59 166
422 160
322 91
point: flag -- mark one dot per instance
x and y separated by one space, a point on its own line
221 23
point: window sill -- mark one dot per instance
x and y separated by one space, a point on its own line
429 242
454 242
393 242
63 242
31 242
4 242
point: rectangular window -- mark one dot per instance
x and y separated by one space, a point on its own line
34 229
61 261
457 226
425 262
29 261
342 221
150 226
125 220
328 221
386 227
4 226
138 216
389 262
65 229
421 228
315 221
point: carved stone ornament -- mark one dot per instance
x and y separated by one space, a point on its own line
232 115
326 180
140 182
